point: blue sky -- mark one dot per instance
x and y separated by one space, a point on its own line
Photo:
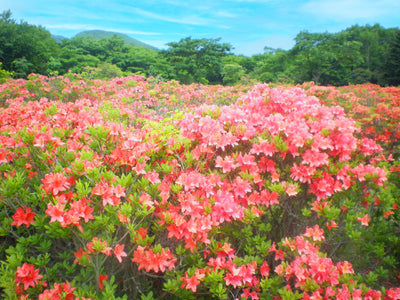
248 25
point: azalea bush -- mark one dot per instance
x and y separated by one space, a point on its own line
377 110
132 188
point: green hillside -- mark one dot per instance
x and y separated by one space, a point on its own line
100 34
58 38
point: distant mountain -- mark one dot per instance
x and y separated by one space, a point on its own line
101 34
58 38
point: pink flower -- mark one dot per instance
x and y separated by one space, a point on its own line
364 220
119 252
55 183
316 233
227 164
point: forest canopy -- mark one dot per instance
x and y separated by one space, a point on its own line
359 54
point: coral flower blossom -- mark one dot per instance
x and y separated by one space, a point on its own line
23 216
364 220
55 183
119 252
332 225
27 275
101 279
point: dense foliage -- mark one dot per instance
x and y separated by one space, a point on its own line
156 190
24 48
359 54
393 62
197 60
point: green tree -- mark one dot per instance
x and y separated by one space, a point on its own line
74 60
148 62
54 66
392 75
24 48
107 71
272 66
114 51
374 51
324 57
232 73
247 63
21 67
197 60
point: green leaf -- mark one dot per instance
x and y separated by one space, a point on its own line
83 188
306 211
280 143
149 296
44 245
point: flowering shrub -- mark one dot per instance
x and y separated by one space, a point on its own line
131 188
376 109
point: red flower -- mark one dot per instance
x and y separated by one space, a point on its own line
268 199
55 183
227 164
80 209
79 255
142 232
373 295
331 225
157 262
364 220
264 269
60 291
191 283
119 252
290 189
315 158
386 214
56 212
246 294
101 279
23 216
27 275
234 278
110 194
393 293
226 250
153 177
145 198
123 219
316 233
345 267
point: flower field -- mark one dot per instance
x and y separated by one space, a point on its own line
137 189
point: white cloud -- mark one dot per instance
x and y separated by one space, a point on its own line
350 10
190 20
224 26
225 14
91 27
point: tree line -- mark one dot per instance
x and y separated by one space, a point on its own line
359 54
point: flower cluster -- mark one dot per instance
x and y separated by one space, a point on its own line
133 187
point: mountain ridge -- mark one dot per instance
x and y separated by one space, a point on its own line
100 34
